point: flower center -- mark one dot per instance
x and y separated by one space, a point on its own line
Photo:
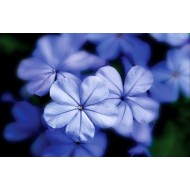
176 74
77 143
122 98
80 108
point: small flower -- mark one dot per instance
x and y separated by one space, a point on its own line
132 102
59 144
173 39
109 46
56 57
80 107
27 122
172 76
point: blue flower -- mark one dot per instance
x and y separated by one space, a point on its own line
109 46
27 124
54 58
79 107
132 102
172 76
173 39
59 144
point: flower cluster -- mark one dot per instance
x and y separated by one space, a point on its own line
90 96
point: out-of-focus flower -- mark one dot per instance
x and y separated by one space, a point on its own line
58 144
56 57
132 102
172 76
79 107
27 122
139 150
173 39
7 97
109 46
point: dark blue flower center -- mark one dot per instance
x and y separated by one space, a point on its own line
122 98
77 143
176 74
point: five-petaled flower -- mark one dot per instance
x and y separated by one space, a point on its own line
172 76
132 102
56 57
80 107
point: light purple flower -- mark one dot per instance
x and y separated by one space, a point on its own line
110 45
172 76
56 57
58 144
80 107
132 102
173 39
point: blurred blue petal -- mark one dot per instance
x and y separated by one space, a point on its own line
173 39
139 150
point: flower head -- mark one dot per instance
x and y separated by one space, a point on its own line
172 76
56 57
109 46
132 102
80 107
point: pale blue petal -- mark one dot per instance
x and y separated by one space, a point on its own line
109 49
136 48
144 109
161 72
32 68
61 75
125 127
97 145
112 79
164 92
139 150
41 85
184 83
57 115
138 81
142 133
93 90
103 115
82 61
65 91
80 128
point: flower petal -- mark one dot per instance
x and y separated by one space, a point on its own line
102 115
144 109
184 83
65 91
97 145
32 68
80 128
138 81
99 37
109 49
136 48
82 61
112 79
27 114
142 133
125 127
41 84
93 90
17 132
57 115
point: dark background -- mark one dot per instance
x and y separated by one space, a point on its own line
171 136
